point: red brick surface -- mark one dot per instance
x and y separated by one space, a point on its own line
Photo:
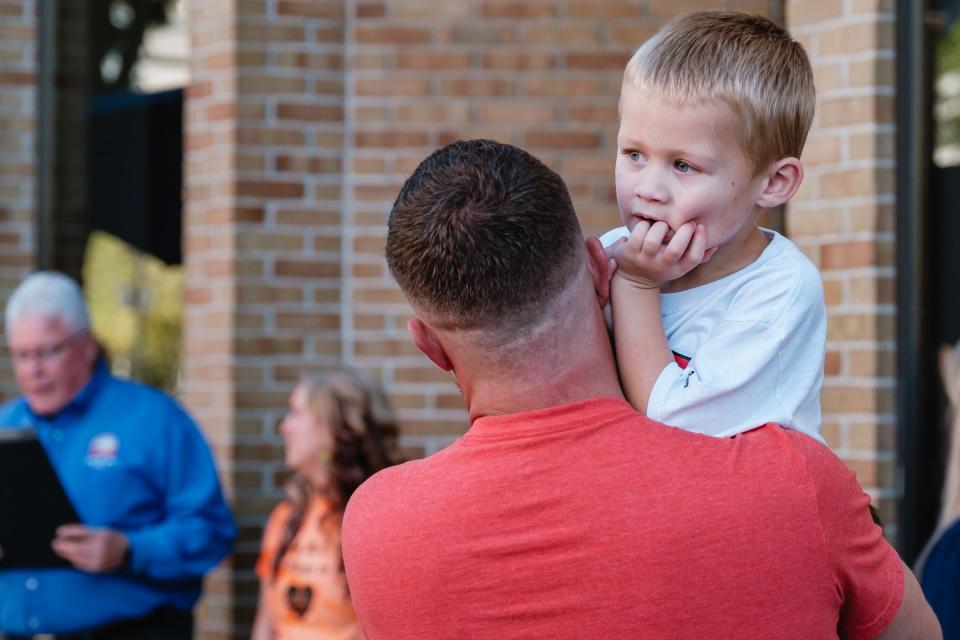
18 142
843 219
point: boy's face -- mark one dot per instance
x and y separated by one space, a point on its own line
684 164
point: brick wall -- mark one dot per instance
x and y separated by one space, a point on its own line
210 266
18 139
843 218
263 247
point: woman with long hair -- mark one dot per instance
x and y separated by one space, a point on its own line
339 431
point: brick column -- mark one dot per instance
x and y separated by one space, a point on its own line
262 239
18 141
209 217
843 219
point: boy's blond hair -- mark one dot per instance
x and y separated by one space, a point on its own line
748 61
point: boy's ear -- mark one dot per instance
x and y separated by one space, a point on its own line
429 343
783 181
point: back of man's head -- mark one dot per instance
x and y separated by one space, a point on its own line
49 294
747 61
483 236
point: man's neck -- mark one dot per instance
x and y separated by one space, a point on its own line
572 362
495 400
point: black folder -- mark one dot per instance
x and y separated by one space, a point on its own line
33 503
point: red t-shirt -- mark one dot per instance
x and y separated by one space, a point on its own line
589 521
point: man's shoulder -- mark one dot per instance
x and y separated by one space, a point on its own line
772 435
12 412
779 449
135 388
817 457
145 413
396 493
139 396
400 479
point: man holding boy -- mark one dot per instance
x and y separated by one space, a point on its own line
563 513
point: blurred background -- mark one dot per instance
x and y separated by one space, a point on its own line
218 173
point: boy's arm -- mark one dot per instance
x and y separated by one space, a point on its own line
644 262
639 341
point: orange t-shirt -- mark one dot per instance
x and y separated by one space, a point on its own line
308 597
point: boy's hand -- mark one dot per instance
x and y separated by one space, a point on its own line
646 261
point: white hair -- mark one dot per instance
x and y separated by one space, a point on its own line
49 294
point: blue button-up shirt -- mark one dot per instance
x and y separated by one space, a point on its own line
130 459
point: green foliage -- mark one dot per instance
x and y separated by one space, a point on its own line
948 50
947 105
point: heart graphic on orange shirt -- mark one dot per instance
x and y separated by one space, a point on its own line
299 598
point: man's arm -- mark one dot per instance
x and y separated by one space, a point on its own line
880 597
915 620
644 262
197 531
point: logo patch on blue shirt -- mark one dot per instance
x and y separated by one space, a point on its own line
102 450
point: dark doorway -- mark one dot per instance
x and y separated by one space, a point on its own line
928 251
135 176
110 151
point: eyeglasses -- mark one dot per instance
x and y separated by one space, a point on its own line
43 355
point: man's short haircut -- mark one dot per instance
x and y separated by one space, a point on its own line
49 294
747 61
483 236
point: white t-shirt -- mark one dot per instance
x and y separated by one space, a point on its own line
754 342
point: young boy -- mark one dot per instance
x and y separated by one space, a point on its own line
714 112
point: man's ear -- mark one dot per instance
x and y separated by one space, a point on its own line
90 349
600 267
427 341
783 181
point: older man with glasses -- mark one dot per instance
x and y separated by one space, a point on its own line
137 470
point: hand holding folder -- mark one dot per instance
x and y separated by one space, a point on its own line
89 549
